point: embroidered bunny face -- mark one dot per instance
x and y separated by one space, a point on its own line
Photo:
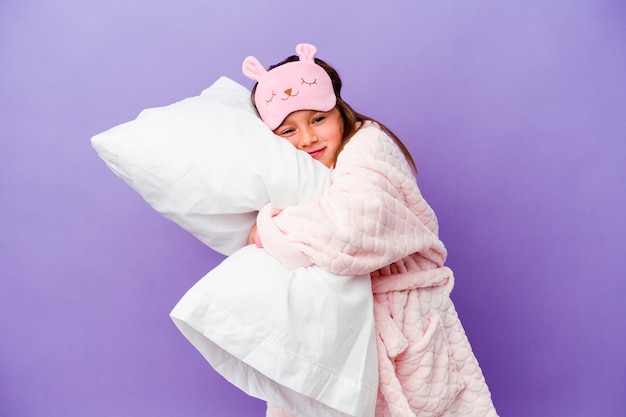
298 85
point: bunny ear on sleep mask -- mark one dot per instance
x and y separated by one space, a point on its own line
253 69
293 86
306 52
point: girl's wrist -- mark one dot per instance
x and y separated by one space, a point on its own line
257 240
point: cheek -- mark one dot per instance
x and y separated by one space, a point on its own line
338 137
293 140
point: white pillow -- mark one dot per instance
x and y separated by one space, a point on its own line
209 164
301 338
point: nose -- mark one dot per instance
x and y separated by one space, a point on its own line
307 138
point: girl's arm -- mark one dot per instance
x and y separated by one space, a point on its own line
372 215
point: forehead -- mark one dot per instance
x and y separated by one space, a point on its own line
307 115
300 115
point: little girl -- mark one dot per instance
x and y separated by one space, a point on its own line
372 220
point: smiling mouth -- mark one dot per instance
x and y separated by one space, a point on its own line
315 154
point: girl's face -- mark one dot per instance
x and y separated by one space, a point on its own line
315 132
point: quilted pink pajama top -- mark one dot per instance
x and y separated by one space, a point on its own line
374 220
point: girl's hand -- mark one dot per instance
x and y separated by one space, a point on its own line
252 235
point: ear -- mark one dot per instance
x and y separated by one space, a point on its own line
253 69
306 52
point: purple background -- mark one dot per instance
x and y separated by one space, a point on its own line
514 111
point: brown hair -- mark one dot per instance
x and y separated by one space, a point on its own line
351 119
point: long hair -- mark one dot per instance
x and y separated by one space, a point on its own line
352 120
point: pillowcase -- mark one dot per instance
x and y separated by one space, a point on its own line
208 163
301 338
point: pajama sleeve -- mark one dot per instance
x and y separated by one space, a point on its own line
372 215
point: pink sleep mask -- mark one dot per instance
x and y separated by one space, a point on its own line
297 85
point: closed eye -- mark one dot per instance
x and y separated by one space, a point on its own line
272 97
308 83
286 131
